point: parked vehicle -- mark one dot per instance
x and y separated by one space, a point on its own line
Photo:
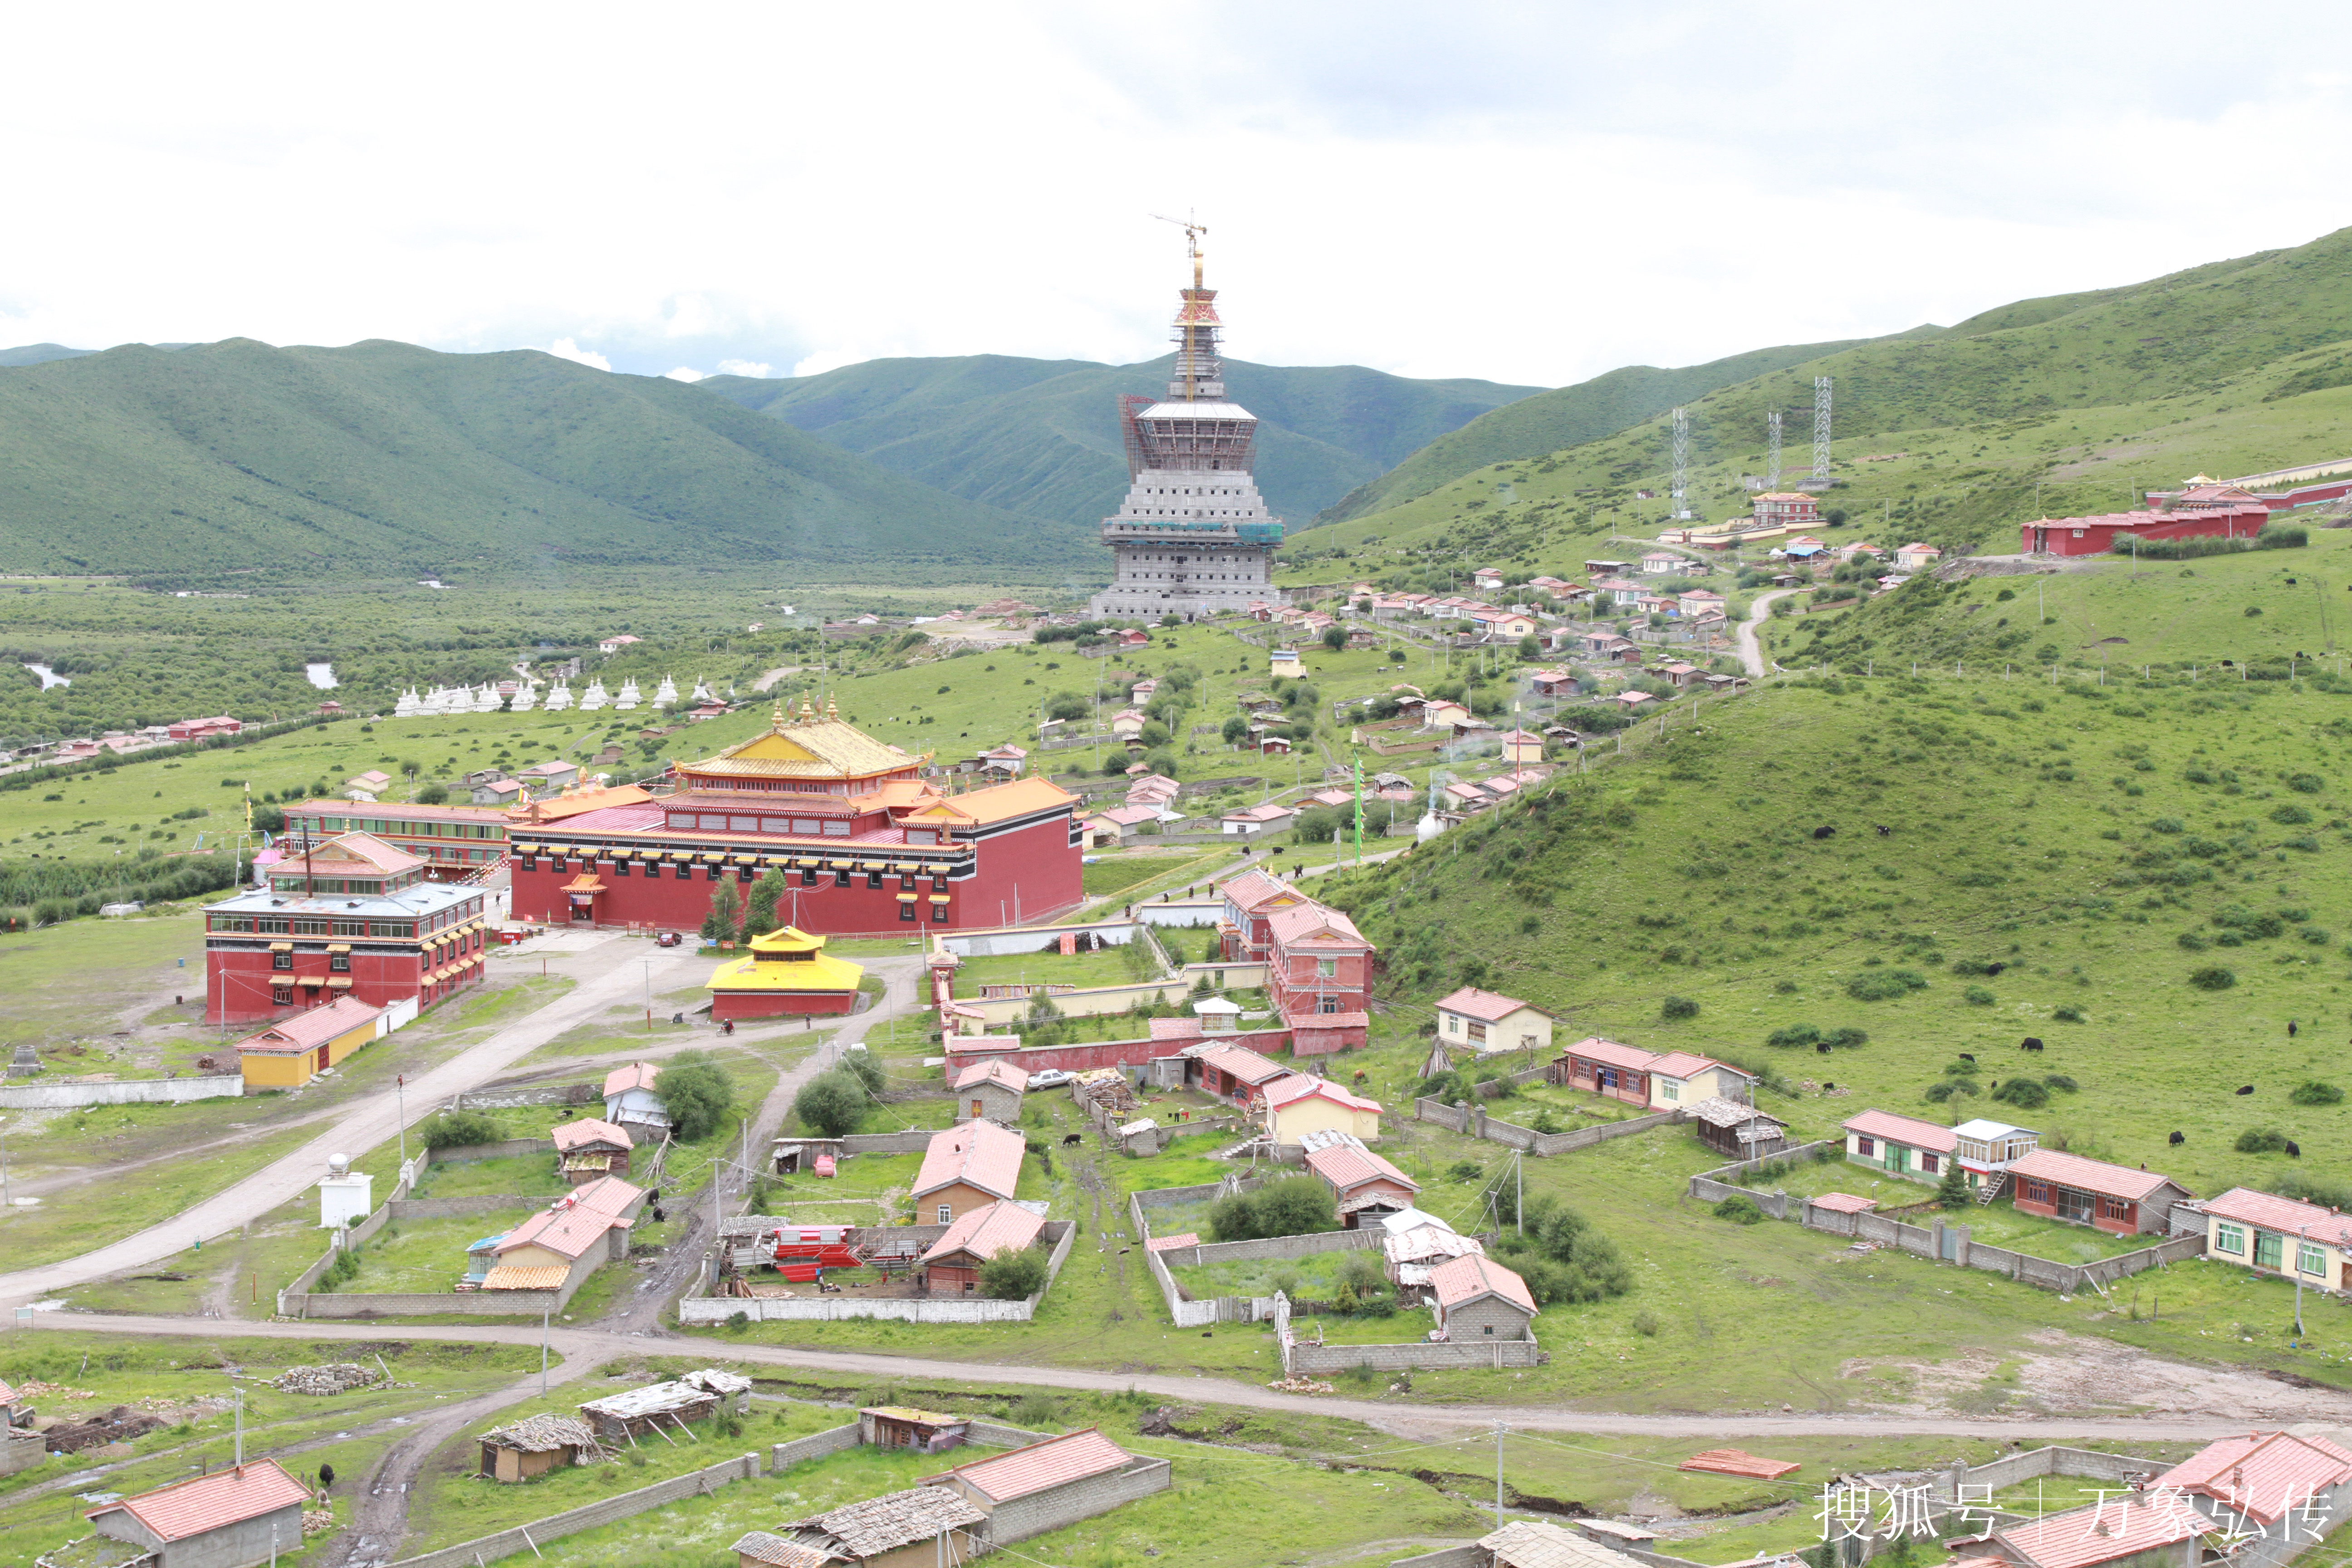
1052 1078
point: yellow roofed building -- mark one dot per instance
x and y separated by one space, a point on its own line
788 972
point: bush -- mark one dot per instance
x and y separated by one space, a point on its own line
1977 996
1646 1324
2059 1081
861 1066
2212 977
2068 1014
1795 1037
830 1104
1881 985
1013 1276
1464 1171
2310 1091
1952 1192
1678 1008
456 1129
1294 1205
2261 1141
698 1094
2025 1093
1739 1209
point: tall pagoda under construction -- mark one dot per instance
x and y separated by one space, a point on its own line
1193 537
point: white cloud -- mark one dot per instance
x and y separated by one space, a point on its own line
564 348
683 372
1530 193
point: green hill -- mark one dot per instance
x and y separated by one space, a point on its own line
382 457
39 354
1568 417
2079 400
1041 437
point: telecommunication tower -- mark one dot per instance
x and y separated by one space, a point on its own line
1772 462
1822 428
1682 465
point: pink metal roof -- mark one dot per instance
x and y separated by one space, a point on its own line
1240 1062
1251 889
1170 1243
587 1131
637 1074
1460 1281
315 1027
1610 1053
984 1232
2089 1176
979 1154
2101 1533
1682 1064
1041 1467
1345 1167
2261 1474
1844 1202
1907 1130
226 1497
587 1216
1487 1005
1299 1085
996 1070
2250 1208
1315 925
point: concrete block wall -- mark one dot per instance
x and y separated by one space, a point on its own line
1468 1555
2013 1469
912 1140
1308 1246
1775 1205
1738 1168
1475 1122
534 1094
2067 1278
1322 1361
815 1445
444 1208
1022 1518
458 1153
997 1434
605 1511
706 1311
130 1091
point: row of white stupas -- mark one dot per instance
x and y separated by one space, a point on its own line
448 699
489 699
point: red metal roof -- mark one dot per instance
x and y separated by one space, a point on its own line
2101 1533
1908 1130
1737 1462
1041 1467
996 1070
1844 1202
1460 1281
589 1215
1313 925
2261 1474
1301 1087
2284 1214
1240 1062
2089 1176
226 1497
1610 1053
1488 1006
587 1131
984 1232
315 1027
637 1074
1170 1243
1684 1064
1345 1166
979 1154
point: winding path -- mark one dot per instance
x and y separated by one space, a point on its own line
1751 650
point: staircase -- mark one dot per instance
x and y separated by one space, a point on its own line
1992 1190
481 874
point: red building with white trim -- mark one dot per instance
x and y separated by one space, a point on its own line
2100 534
350 917
867 846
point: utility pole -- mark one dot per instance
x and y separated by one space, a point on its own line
400 1102
240 1427
543 1312
2302 1238
1499 1430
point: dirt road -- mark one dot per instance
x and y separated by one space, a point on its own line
1751 651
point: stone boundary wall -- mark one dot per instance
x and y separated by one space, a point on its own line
2011 1469
1185 914
605 1511
815 1445
1184 1312
120 1091
706 1311
1303 1360
1087 1001
997 942
1951 1244
458 1154
536 1094
1475 1122
1775 1205
1737 1168
1303 1245
444 1208
913 1141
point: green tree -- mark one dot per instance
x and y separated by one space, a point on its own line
830 1104
761 909
1530 647
721 923
697 1092
1335 638
1234 1218
1235 731
1293 1207
1952 1192
1014 1275
861 1066
432 795
456 1129
1067 706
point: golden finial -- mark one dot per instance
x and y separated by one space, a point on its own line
831 708
808 708
776 717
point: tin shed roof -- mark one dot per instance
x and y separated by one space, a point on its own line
1041 1467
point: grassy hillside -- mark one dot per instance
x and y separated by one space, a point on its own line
2075 402
1041 437
1570 417
39 354
382 457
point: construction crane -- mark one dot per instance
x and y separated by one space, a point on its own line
1193 229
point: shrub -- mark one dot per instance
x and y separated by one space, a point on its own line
2315 935
1013 1276
2025 1093
1739 1209
2261 1141
2061 1081
1952 1192
456 1129
2212 977
698 1094
830 1104
1678 1008
2310 1091
1883 985
1845 1039
2068 1014
1937 1093
1977 996
2291 815
1294 1205
1795 1036
1646 1324
1464 1171
2192 941
2307 783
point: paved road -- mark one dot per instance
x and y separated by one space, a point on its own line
1751 651
585 1349
366 1122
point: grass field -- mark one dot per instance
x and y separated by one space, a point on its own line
1120 870
1105 966
425 1255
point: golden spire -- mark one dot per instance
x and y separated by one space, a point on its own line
831 708
776 716
808 708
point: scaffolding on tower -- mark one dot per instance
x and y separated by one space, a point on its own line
1682 465
1772 461
1821 479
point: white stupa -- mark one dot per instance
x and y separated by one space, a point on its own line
486 698
629 698
561 697
523 697
595 697
666 695
406 707
702 693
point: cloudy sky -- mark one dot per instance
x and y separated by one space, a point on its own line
1527 193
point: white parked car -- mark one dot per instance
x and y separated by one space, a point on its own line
1052 1078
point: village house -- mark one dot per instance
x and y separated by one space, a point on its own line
1121 822
1298 1104
1319 977
1916 557
1004 762
290 1053
1252 900
1986 1149
525 1449
1630 701
991 1091
1697 601
1647 1078
1900 1145
967 1167
952 1264
2112 1198
1487 579
1249 822
1047 1485
641 1412
1364 1186
2282 1490
2262 1232
1787 509
1552 683
631 1104
1231 1072
1659 561
1521 748
1486 1021
1474 1297
2126 1533
913 1529
1736 1130
246 1513
566 1242
903 1426
497 792
591 1149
